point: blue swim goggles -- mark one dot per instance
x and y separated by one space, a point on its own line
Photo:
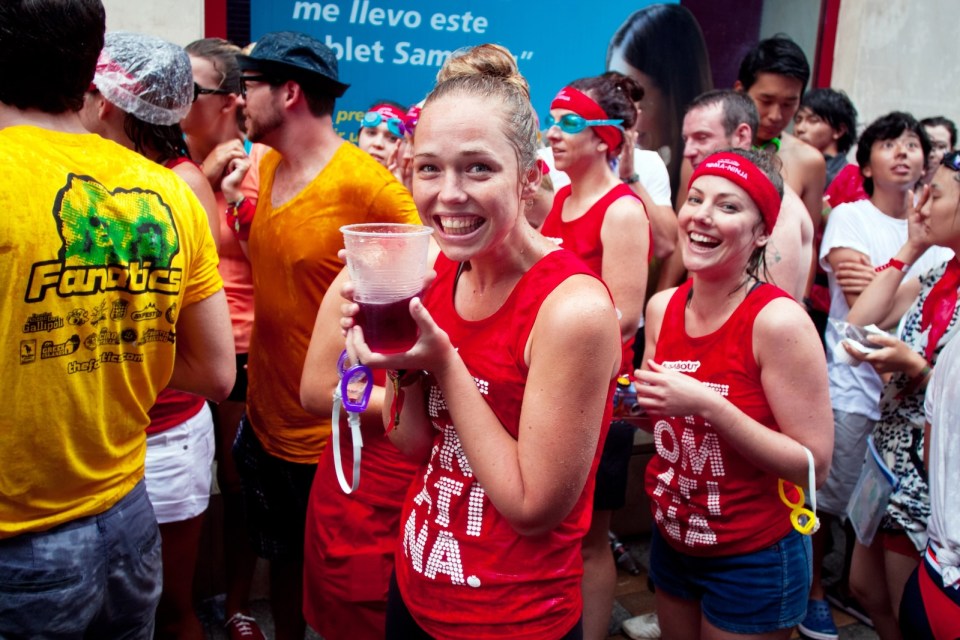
353 393
372 119
574 123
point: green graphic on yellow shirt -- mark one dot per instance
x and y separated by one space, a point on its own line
98 229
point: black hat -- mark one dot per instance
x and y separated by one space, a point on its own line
297 56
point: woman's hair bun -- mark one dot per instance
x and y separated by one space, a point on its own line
491 60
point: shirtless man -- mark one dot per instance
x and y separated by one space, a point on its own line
719 119
774 75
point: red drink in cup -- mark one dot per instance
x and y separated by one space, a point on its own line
387 264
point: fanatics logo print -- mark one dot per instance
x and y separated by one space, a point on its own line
109 357
78 317
50 349
157 335
119 309
28 351
42 322
149 312
105 250
105 336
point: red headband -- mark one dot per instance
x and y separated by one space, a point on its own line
389 111
412 117
586 107
748 177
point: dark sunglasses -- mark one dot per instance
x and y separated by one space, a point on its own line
951 160
203 91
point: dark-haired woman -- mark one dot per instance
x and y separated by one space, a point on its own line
599 218
735 381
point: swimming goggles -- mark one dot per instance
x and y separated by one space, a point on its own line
575 123
373 119
353 394
804 520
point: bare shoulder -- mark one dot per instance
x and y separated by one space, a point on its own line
783 320
797 154
580 300
657 306
626 208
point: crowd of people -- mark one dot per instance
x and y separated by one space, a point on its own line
173 271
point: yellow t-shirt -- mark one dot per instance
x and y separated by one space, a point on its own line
99 249
293 251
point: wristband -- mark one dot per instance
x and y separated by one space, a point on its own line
399 380
631 179
240 217
899 265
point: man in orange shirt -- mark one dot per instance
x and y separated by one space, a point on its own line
310 185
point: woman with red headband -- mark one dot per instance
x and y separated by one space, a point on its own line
736 383
600 218
382 131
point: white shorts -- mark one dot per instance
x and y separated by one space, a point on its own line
179 468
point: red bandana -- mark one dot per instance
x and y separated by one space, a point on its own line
586 107
939 306
748 177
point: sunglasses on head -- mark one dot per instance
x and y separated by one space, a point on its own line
373 119
203 91
574 123
951 160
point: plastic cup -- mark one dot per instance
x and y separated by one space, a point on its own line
387 264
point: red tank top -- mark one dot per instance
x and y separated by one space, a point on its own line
462 569
582 236
707 499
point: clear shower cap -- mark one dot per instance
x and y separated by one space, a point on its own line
145 76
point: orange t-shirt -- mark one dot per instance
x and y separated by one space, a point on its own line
293 252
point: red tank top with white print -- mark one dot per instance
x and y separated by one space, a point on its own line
706 498
462 569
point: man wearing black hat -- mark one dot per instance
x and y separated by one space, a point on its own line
310 185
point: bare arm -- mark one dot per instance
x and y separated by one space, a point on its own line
888 297
625 235
205 363
794 378
320 367
198 183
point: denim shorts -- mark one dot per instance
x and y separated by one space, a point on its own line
94 577
276 493
756 592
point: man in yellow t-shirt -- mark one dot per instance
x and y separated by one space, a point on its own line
310 185
91 328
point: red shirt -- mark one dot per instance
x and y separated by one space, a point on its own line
706 498
582 236
462 569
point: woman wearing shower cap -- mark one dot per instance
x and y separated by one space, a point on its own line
735 382
142 88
